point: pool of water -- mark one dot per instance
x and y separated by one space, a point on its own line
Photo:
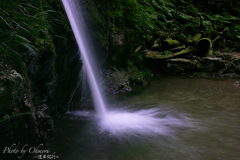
194 119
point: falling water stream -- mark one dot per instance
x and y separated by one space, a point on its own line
87 52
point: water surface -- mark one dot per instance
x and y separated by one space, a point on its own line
199 120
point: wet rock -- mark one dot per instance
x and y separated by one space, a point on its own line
227 56
212 64
117 39
196 64
233 66
178 65
45 122
169 44
120 79
9 81
17 114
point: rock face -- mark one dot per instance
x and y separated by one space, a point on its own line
218 65
120 45
20 121
8 83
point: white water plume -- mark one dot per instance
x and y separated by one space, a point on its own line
139 122
145 122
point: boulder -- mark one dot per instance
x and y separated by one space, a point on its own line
212 64
233 66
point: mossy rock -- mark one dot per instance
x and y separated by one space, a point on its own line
120 79
169 44
159 55
196 37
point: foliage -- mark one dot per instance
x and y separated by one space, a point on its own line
154 21
166 52
29 28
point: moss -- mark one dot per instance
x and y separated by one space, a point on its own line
179 48
168 44
156 41
216 53
158 55
166 52
155 46
189 40
196 37
202 27
204 40
137 49
182 38
219 36
136 76
163 35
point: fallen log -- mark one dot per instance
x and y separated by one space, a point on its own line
159 55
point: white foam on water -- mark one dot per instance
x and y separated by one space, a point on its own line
143 122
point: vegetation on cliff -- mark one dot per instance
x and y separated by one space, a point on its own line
154 22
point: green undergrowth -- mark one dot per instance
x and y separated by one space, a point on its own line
28 29
153 21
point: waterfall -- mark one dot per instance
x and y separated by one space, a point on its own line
118 122
82 36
